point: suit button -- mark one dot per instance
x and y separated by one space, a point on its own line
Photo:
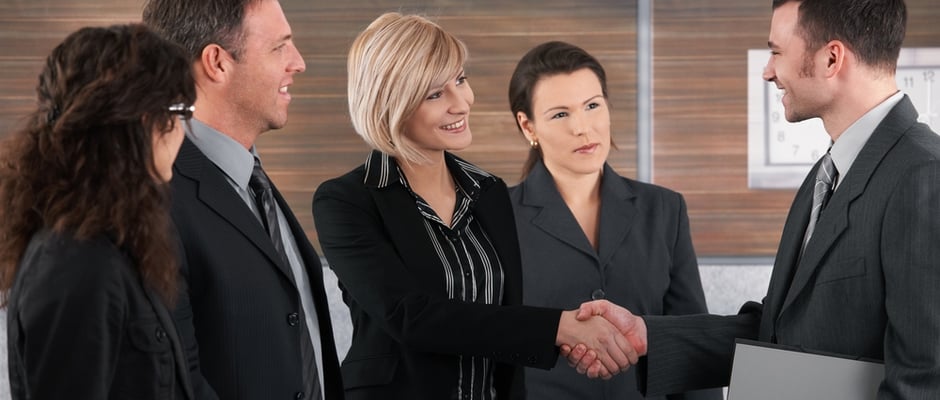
299 395
160 334
598 294
293 319
532 360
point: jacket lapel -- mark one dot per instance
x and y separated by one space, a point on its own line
217 194
405 227
835 218
788 250
618 213
553 215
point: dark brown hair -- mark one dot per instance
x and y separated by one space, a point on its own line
873 29
195 24
83 164
544 60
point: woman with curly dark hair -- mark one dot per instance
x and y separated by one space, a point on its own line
88 261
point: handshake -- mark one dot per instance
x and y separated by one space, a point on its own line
601 339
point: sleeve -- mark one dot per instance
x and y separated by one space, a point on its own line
361 252
183 318
693 352
685 294
911 268
72 313
186 329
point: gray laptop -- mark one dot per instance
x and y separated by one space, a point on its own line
766 371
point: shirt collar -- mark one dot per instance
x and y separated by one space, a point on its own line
850 143
227 154
382 171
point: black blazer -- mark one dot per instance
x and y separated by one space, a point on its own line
81 325
645 262
234 316
407 333
868 284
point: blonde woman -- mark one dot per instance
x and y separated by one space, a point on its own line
424 243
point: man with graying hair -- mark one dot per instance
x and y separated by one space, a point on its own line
254 313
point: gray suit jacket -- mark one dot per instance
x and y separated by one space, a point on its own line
645 262
868 284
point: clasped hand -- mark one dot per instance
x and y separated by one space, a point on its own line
601 339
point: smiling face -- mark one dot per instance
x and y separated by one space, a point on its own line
570 121
793 68
265 68
441 121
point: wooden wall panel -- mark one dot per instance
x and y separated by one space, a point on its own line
699 69
318 142
700 117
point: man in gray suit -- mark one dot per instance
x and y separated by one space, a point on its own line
858 268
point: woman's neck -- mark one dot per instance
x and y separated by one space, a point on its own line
434 183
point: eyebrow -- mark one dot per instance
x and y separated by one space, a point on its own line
772 45
439 86
561 108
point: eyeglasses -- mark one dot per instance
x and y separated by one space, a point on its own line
185 112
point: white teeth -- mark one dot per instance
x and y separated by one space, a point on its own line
282 89
455 125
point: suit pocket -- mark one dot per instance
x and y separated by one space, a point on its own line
152 342
369 371
845 269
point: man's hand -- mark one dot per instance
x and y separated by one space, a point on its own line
632 327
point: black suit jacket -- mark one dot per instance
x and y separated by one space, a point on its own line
234 315
407 333
81 325
868 284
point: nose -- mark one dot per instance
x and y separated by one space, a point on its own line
578 124
462 99
769 74
296 64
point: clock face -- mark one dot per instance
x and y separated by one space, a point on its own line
780 153
789 143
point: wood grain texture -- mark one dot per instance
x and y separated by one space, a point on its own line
318 143
699 88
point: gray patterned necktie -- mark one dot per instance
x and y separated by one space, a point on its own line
826 177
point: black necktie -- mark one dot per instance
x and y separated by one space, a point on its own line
260 185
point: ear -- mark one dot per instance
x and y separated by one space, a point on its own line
835 53
216 62
525 124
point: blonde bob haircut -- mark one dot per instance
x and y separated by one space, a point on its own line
392 65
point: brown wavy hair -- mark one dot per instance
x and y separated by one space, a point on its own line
83 162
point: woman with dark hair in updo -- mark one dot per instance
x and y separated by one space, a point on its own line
88 262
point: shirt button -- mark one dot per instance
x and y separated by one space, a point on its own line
299 395
293 319
466 273
598 294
